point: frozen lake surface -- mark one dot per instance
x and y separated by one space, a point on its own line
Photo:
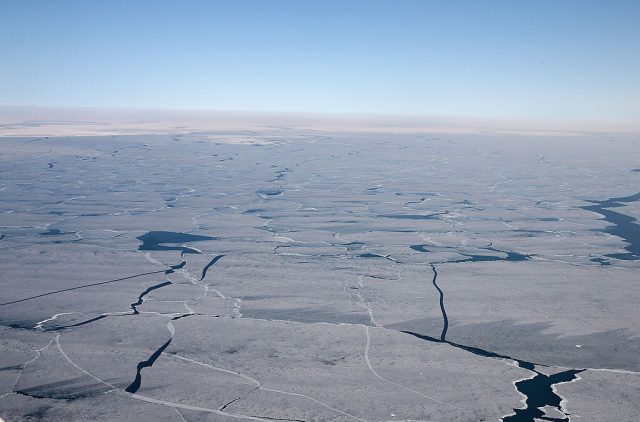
317 276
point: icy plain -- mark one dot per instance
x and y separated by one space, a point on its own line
317 276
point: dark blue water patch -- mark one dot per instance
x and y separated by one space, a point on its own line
548 219
370 255
353 246
420 194
511 257
18 325
526 235
59 242
539 393
636 170
135 385
175 318
253 210
420 248
169 202
134 306
77 324
623 226
156 240
412 216
377 277
445 318
176 267
280 174
256 297
601 261
209 265
269 191
416 202
53 232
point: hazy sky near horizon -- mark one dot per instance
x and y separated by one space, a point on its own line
545 59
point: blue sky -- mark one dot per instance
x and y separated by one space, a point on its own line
544 59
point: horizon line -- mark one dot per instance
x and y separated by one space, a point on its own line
21 115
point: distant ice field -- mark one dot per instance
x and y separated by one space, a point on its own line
303 275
